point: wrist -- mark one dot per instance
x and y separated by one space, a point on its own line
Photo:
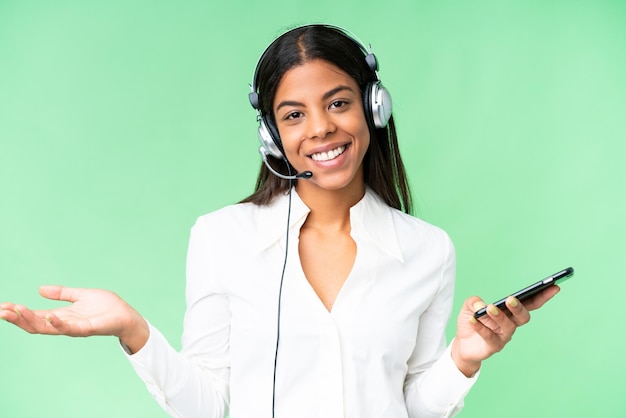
135 335
466 366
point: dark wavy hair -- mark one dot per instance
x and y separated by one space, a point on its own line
383 168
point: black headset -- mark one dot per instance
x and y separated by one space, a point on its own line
376 100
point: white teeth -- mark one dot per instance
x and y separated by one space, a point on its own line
325 156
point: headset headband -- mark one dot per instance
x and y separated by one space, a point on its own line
370 58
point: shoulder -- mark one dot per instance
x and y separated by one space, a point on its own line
231 212
231 218
401 235
417 237
406 224
407 227
246 222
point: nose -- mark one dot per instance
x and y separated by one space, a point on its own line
319 125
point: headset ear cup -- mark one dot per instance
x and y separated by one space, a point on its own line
269 139
380 104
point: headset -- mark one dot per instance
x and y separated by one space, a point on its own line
377 103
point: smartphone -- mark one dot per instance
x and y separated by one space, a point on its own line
531 290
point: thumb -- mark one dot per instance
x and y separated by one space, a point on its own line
59 293
474 303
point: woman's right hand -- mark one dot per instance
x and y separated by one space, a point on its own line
91 312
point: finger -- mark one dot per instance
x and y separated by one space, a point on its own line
504 324
538 300
28 321
491 338
7 306
473 304
60 327
519 313
63 293
6 312
15 315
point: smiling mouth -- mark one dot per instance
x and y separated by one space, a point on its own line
330 155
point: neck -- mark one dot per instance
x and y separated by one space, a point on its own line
330 207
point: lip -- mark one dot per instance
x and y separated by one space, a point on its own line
335 162
328 147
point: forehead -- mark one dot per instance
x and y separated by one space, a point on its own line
313 78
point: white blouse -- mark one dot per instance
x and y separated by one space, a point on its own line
380 352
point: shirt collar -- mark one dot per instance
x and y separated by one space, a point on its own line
272 219
371 219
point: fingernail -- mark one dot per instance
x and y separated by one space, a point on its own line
17 311
473 320
479 305
513 302
493 310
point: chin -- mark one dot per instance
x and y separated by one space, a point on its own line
338 183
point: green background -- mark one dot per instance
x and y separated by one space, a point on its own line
122 121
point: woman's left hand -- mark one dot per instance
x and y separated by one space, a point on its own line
478 339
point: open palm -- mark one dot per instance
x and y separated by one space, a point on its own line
90 312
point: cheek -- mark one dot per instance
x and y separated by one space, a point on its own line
288 138
292 146
290 142
362 132
359 127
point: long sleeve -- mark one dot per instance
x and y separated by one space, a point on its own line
193 382
434 386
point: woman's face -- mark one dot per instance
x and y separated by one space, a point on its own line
319 114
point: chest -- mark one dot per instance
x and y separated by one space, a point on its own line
326 260
377 300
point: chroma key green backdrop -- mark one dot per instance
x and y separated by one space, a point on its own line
122 121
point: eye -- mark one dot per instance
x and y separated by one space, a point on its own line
338 104
293 115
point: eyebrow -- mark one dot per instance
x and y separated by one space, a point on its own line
326 96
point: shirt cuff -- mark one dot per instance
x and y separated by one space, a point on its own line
153 363
448 386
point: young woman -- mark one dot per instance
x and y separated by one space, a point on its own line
319 295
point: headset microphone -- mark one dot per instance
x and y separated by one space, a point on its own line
303 175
